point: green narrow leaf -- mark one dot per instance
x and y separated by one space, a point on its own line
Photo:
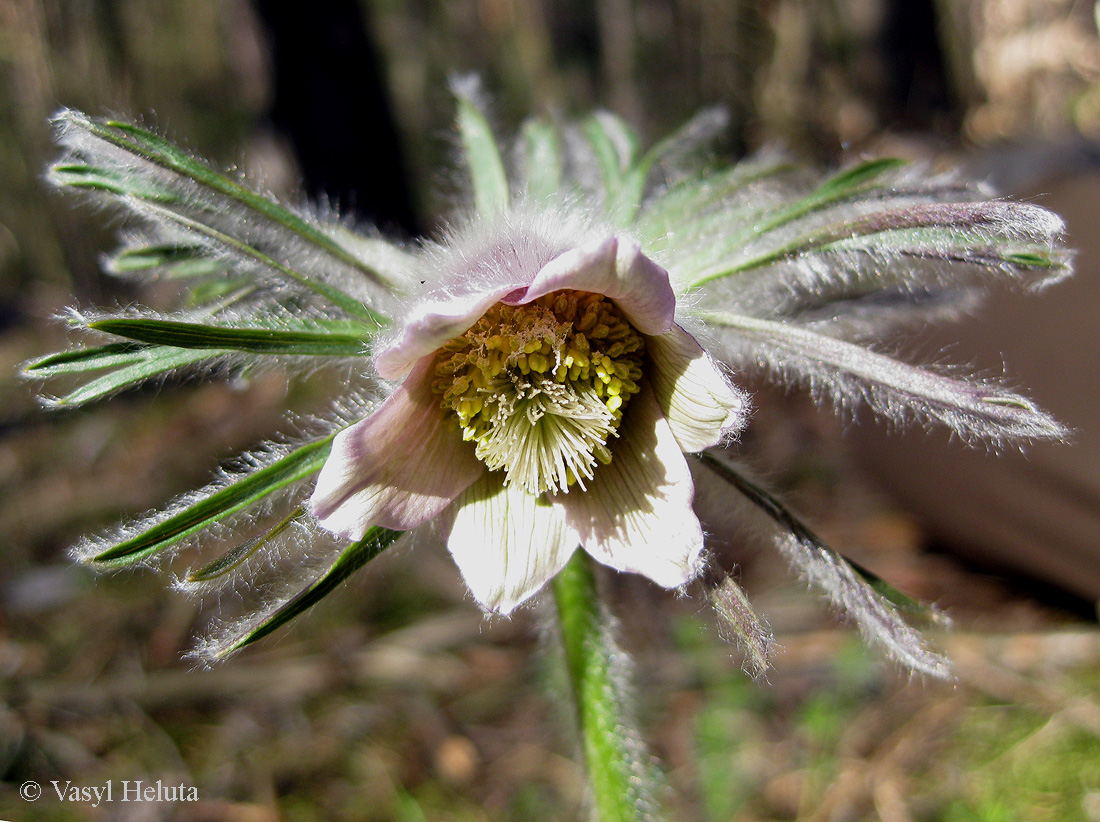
543 156
853 179
305 339
487 176
771 505
617 152
155 149
249 489
173 260
687 200
929 231
152 361
82 175
351 559
836 188
82 360
334 295
1033 259
234 557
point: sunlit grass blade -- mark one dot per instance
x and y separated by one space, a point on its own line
841 186
238 495
114 355
617 151
137 366
239 248
542 160
682 208
351 559
170 260
82 175
155 149
236 556
986 234
487 176
289 337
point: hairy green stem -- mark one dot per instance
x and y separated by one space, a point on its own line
619 771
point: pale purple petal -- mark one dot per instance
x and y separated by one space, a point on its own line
433 324
697 399
506 542
613 267
636 514
618 269
397 468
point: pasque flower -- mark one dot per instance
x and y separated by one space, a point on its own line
557 372
544 408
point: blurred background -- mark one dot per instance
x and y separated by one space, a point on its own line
395 699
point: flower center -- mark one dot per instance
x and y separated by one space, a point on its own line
540 388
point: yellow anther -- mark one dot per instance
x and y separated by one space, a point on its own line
519 365
539 363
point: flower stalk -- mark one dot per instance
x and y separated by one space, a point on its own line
620 774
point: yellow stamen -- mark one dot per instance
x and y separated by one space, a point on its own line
540 388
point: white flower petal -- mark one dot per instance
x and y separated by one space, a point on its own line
697 399
636 514
400 466
616 268
506 542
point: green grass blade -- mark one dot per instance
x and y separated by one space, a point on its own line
543 160
173 260
114 355
838 187
950 233
155 149
487 176
351 559
82 175
246 491
335 296
236 556
617 151
151 362
303 339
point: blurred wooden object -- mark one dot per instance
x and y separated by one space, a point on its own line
1037 513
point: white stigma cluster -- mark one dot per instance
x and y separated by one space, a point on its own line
540 388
